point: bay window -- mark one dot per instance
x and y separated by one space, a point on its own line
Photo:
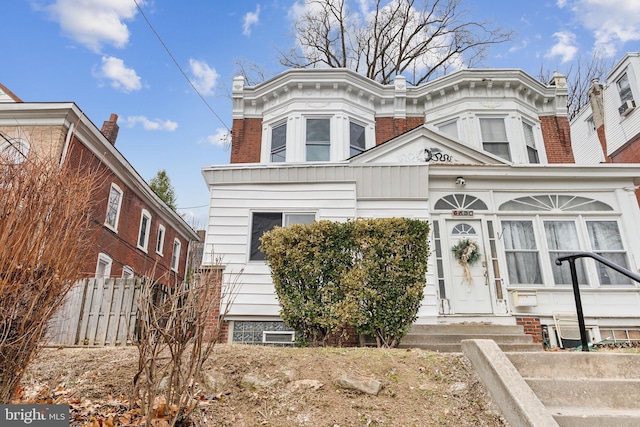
357 143
279 143
494 137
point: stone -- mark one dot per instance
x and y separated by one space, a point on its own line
367 386
252 382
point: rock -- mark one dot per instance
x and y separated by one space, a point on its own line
305 385
252 382
372 387
212 382
458 389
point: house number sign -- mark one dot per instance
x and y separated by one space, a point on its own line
462 212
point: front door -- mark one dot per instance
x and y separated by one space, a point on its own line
469 286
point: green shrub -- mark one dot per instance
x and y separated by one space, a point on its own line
368 273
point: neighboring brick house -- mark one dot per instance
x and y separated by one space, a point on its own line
607 130
481 154
137 233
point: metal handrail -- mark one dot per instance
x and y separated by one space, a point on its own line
576 289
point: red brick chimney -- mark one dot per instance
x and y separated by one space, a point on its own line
110 129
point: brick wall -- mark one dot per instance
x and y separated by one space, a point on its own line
628 153
557 139
531 327
246 140
388 127
121 247
215 328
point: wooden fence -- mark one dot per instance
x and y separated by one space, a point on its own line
96 312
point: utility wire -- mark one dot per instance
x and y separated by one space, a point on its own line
179 67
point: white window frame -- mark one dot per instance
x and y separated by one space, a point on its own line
534 142
103 259
272 128
625 95
160 239
145 244
328 144
127 272
175 254
543 250
364 133
506 132
114 226
286 220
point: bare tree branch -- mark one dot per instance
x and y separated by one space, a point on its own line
423 39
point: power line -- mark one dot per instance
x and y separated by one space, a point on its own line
179 67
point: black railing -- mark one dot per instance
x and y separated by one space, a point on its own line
576 290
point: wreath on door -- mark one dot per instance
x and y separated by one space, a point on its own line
466 253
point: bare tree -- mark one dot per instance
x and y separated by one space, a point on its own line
419 39
580 75
45 226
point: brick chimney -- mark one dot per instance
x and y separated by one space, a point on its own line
110 129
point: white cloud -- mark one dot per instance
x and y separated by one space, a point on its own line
561 3
96 22
147 124
250 19
612 23
565 47
122 78
221 138
204 77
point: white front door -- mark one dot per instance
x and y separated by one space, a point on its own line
469 289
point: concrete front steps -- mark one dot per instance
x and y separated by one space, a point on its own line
584 388
549 389
446 338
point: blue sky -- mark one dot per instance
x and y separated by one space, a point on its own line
102 55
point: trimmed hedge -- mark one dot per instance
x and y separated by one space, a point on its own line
369 273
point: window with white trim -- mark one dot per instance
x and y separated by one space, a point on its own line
279 142
530 142
624 88
145 226
127 272
318 140
103 267
175 255
533 244
113 207
357 141
494 137
261 222
160 239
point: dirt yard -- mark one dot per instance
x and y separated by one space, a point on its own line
291 387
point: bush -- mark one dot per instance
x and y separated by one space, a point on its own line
366 273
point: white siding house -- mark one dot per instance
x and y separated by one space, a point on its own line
481 154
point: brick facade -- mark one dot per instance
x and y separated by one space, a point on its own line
246 140
557 139
532 327
388 128
121 247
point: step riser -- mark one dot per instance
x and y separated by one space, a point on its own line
457 348
467 329
596 393
444 339
577 365
597 421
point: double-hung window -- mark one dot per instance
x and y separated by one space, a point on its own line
160 239
279 142
562 239
530 142
521 250
145 226
175 255
624 88
494 137
450 128
357 143
318 140
605 240
261 222
113 207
